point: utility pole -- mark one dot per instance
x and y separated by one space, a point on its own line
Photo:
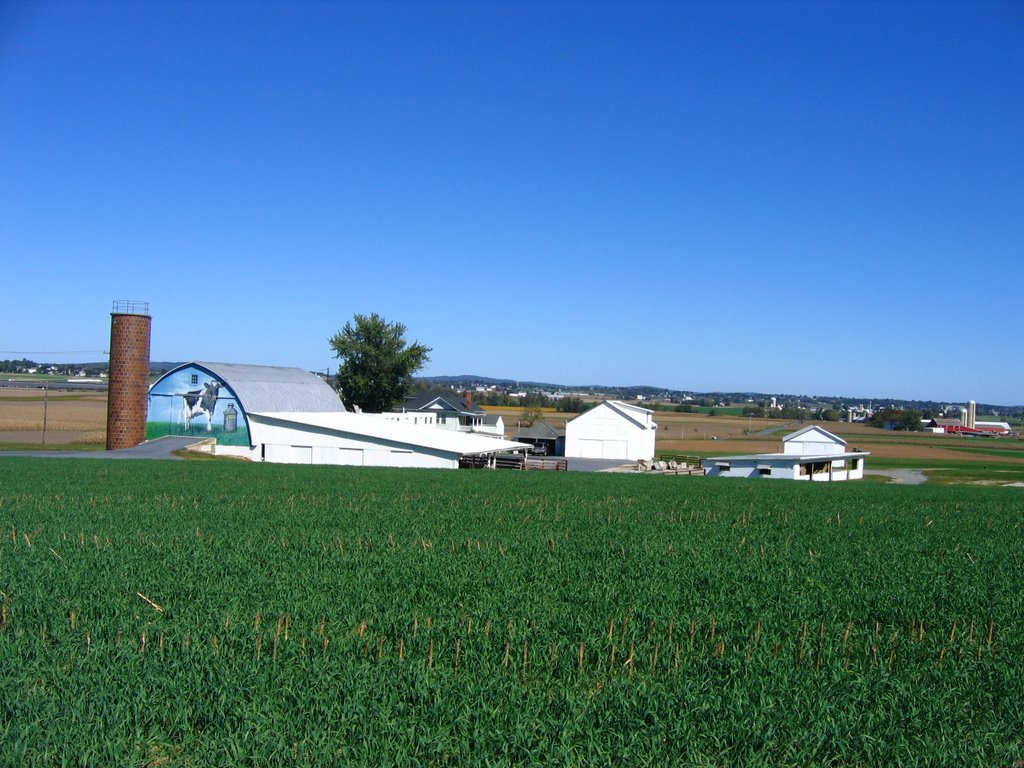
46 402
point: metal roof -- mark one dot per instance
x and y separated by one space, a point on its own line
374 427
789 457
273 388
443 402
540 431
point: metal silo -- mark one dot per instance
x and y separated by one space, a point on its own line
128 388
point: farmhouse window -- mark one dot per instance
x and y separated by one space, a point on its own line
194 379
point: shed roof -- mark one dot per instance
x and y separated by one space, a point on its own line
273 388
374 427
789 458
540 431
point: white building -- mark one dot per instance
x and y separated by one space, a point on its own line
366 440
288 415
811 453
611 430
450 411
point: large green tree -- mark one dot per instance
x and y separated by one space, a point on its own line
376 362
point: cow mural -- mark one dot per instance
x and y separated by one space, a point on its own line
201 401
194 398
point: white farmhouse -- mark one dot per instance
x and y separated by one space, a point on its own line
811 453
611 430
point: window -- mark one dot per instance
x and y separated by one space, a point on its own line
764 471
194 379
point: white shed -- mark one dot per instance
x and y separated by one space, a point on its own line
612 430
811 453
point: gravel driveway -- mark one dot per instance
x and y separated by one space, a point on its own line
901 476
161 448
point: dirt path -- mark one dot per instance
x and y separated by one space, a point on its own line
901 476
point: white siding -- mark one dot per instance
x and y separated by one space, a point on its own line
611 431
813 441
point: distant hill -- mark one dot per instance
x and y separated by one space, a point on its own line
631 392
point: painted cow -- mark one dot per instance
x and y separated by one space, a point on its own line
201 401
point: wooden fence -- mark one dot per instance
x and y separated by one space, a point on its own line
512 461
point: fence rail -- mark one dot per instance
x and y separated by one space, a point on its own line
512 461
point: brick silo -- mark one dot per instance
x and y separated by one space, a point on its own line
128 388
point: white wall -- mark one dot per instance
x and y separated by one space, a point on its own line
287 445
813 443
604 433
423 418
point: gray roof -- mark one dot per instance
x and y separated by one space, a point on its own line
274 388
443 402
540 431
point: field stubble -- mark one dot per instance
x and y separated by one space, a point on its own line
307 615
70 417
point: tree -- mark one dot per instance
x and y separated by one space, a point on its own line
897 419
531 415
376 363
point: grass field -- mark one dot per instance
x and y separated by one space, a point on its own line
211 613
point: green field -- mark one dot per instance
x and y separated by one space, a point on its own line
210 613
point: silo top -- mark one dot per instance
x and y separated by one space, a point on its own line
129 307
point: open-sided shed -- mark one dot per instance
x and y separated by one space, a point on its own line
811 453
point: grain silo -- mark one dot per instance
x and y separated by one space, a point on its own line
127 402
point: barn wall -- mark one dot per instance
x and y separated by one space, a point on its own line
604 433
291 444
166 414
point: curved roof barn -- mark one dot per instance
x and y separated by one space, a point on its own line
215 399
273 388
288 415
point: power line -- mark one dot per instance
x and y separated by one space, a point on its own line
70 352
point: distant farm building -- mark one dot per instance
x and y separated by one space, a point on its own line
980 428
941 426
968 424
811 453
288 415
612 430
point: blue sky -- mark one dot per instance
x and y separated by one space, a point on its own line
782 197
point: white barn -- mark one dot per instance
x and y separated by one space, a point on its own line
288 415
612 430
811 453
